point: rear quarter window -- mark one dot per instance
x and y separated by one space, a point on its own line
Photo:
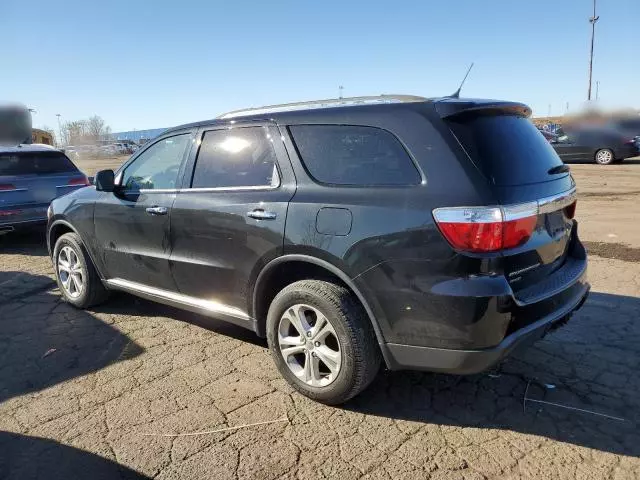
354 155
508 149
35 163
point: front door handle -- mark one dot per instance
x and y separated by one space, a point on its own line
157 210
260 214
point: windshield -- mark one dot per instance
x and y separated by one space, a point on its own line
35 163
508 149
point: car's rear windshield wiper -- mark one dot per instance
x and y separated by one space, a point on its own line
558 169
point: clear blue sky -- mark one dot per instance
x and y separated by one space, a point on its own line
143 64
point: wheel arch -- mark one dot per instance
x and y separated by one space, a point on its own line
260 304
58 228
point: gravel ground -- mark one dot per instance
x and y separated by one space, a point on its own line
99 391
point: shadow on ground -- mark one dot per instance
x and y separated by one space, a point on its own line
28 242
54 461
125 304
44 341
590 364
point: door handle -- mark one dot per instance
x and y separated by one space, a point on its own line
262 215
157 210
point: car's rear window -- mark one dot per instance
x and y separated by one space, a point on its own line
508 149
38 163
354 155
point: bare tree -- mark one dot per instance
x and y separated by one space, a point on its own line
75 132
83 132
96 128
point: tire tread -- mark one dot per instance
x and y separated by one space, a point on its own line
366 352
96 292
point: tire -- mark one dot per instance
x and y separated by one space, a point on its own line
92 292
604 156
352 334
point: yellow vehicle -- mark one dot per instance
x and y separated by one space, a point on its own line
41 136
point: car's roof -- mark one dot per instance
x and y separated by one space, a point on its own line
346 106
28 147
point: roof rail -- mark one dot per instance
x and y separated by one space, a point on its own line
328 103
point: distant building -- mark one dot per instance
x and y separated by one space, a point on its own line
41 136
138 136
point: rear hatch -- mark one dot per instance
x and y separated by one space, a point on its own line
532 187
29 180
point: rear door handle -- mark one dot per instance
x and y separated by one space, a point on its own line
262 215
157 210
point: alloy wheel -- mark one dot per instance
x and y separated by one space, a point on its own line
70 272
309 345
604 156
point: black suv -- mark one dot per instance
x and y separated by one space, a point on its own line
432 234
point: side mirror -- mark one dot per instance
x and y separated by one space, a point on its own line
104 181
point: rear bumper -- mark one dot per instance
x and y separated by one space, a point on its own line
628 151
462 362
22 225
17 217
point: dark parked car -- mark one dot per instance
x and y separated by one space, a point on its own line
30 177
629 126
591 144
425 234
549 136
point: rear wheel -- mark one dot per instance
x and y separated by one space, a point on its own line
77 278
604 156
322 342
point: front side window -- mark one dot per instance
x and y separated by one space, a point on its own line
158 166
354 155
240 157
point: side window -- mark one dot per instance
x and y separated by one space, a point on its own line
158 166
240 157
353 155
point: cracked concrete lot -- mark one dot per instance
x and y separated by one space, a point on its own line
79 390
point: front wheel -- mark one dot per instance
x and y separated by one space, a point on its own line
322 341
604 156
77 278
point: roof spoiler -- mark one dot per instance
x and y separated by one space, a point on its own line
448 108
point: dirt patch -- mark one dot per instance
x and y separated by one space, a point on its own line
619 251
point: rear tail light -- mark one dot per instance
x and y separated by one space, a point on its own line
6 187
487 229
9 213
78 181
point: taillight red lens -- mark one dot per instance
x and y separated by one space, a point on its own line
9 213
474 237
517 232
7 186
570 211
479 235
78 181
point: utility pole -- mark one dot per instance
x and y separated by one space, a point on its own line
59 130
597 88
340 89
592 21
